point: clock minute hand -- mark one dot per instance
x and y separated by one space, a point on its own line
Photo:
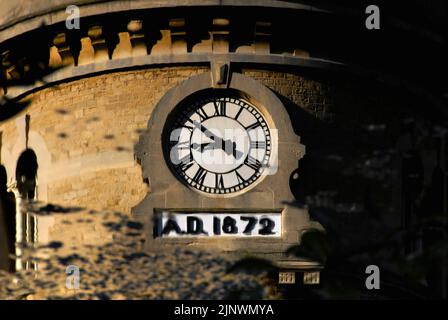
207 132
229 147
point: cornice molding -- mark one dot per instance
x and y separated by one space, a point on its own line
70 73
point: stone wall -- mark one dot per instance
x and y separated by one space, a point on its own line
89 128
316 97
84 133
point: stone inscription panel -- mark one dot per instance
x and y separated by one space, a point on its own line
234 223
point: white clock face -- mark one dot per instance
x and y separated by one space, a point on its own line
219 144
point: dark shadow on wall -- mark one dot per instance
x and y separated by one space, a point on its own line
7 224
10 108
26 174
26 177
374 175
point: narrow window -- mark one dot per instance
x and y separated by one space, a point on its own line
26 178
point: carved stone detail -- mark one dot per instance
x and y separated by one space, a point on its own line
98 40
220 35
178 36
137 38
63 47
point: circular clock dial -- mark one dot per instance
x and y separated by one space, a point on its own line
219 145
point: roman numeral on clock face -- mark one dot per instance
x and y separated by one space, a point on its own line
185 163
258 144
253 126
238 113
252 163
202 114
190 128
220 108
219 181
239 177
199 176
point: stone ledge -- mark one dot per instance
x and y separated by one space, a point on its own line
71 73
298 265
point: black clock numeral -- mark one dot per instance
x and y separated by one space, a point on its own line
220 108
238 113
219 181
202 114
188 127
258 144
252 163
239 177
185 163
199 176
253 126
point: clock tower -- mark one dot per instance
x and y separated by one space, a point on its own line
218 158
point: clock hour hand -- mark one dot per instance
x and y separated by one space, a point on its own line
207 132
227 146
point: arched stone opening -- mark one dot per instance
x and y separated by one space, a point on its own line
26 191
